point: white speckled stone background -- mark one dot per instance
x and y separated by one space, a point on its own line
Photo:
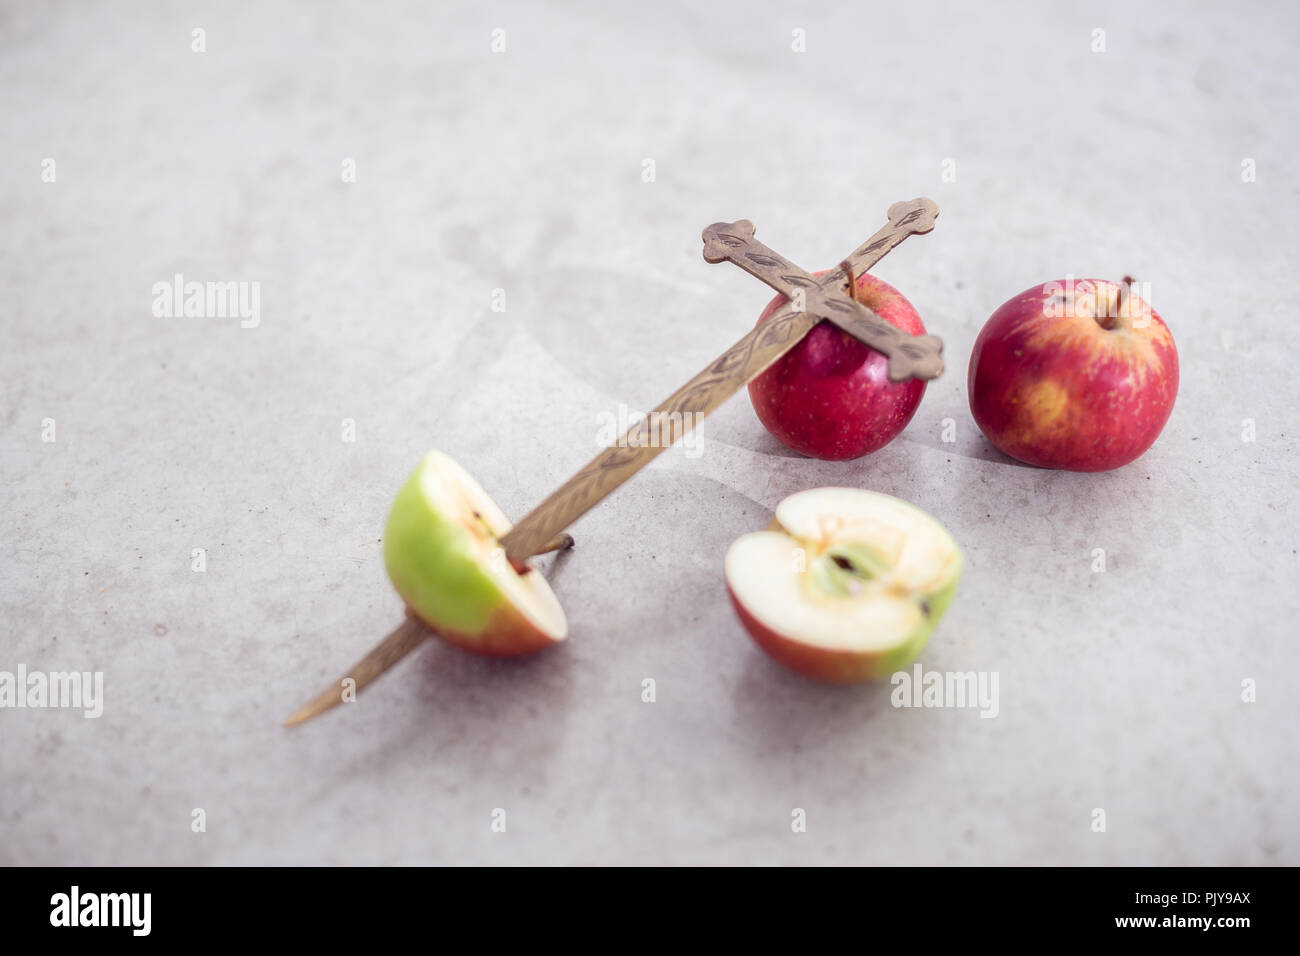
523 170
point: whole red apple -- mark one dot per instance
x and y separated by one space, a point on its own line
1079 374
830 396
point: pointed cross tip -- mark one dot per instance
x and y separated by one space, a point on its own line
407 636
326 701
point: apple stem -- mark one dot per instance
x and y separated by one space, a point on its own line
1110 321
409 635
847 266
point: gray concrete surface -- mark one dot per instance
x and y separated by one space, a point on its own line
522 170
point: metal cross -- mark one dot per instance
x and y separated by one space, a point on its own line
826 296
830 296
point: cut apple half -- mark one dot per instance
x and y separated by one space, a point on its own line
444 557
846 584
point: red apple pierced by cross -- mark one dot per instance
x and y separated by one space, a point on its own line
1074 374
845 585
830 396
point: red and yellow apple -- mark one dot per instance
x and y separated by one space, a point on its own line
443 556
830 396
1074 374
845 585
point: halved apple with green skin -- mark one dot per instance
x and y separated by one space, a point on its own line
442 553
846 584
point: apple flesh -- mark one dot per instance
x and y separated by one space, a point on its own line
442 553
846 585
830 396
1074 374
